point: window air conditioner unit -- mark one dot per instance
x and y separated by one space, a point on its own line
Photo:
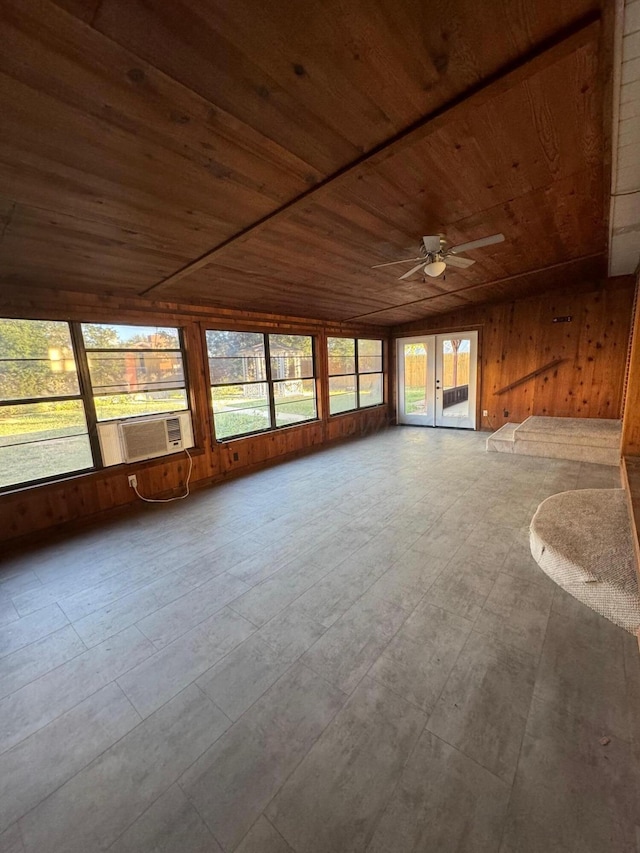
136 439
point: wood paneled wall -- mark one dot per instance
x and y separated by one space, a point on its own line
631 416
517 338
30 511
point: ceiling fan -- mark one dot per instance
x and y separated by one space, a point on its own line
435 257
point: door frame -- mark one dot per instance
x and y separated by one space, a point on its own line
431 341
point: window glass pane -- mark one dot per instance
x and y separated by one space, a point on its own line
114 406
135 371
142 375
112 336
341 355
41 440
370 385
291 356
295 401
235 357
342 394
239 409
36 360
369 356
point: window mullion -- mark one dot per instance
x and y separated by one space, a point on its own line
270 386
86 391
357 373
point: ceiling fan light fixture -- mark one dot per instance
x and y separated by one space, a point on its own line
435 268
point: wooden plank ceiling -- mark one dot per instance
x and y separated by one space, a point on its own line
263 156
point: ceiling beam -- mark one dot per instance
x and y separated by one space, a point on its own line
546 55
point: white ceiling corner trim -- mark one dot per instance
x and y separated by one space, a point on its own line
624 219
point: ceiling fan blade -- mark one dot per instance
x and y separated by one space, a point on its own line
477 244
432 243
391 263
411 272
455 261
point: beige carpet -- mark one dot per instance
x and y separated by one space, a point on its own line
581 439
582 540
595 432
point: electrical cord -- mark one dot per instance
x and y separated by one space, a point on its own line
169 500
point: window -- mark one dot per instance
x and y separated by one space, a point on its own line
134 370
355 374
57 380
260 382
43 424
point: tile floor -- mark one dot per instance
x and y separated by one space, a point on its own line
353 651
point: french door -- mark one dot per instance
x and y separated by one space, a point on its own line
437 377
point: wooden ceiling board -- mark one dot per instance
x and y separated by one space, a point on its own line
286 153
561 276
252 58
371 185
50 247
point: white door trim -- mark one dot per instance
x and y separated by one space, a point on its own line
433 413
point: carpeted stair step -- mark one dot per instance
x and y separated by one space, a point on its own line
581 439
582 540
502 441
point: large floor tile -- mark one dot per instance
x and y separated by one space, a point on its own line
484 704
571 793
8 612
516 612
38 658
263 838
444 538
332 800
170 670
242 676
291 632
41 701
583 677
419 659
445 802
175 619
11 840
95 807
131 608
232 782
21 632
264 601
61 749
407 581
346 651
463 587
170 825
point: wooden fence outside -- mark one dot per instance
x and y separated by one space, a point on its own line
415 370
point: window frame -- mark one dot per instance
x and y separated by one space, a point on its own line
82 396
86 396
181 349
356 374
268 381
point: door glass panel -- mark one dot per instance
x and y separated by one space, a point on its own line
415 379
456 354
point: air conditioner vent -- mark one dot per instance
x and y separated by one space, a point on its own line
174 433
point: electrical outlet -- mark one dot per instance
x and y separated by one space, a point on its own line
485 413
505 413
133 481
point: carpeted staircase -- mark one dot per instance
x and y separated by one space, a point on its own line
582 540
582 439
